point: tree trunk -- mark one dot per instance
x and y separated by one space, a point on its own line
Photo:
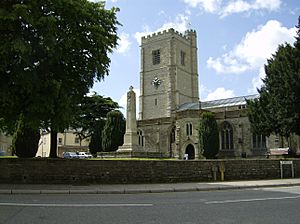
53 144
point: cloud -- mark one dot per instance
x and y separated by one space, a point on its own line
203 90
219 93
123 102
226 64
253 50
241 6
257 81
225 8
181 24
138 35
124 43
208 5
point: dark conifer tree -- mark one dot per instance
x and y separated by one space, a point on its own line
277 110
113 131
209 135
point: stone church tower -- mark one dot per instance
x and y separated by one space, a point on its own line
170 110
169 76
168 80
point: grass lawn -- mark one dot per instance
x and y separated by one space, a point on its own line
99 158
107 158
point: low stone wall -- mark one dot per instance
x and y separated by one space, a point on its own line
75 171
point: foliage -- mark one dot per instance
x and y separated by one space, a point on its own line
25 140
96 138
89 112
278 107
209 135
51 52
113 131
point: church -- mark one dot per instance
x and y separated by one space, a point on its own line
170 108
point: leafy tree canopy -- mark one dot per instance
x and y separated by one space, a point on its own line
91 109
51 52
277 110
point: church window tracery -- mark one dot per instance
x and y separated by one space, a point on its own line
140 137
226 136
189 129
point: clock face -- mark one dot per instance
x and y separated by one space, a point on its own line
156 82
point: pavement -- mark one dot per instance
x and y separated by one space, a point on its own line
142 188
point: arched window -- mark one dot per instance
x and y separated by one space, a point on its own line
140 137
189 129
226 136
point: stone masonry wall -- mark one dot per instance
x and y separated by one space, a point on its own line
75 171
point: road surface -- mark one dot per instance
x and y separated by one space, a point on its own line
263 205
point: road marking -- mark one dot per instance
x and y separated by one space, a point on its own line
74 205
250 200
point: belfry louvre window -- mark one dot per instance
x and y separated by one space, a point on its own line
156 57
226 136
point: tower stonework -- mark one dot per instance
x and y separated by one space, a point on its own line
168 76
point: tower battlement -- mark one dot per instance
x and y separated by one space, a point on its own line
169 32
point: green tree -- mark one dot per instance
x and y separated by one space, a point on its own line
89 112
113 131
51 52
209 135
25 140
277 110
96 138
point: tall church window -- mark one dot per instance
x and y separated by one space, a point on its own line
140 137
156 57
226 136
189 129
258 141
182 58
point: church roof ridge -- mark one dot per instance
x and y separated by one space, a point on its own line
233 101
252 96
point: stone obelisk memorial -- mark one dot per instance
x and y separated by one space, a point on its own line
130 137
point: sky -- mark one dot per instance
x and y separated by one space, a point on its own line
234 38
